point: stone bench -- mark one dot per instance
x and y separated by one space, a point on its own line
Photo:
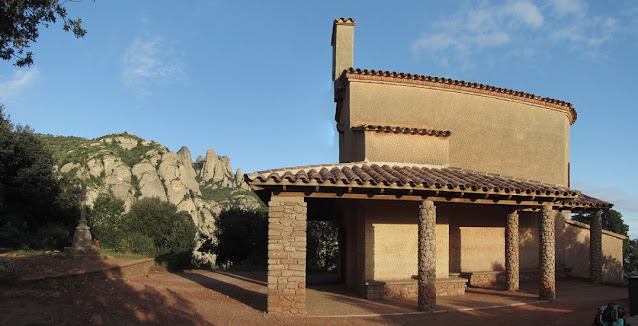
498 279
451 286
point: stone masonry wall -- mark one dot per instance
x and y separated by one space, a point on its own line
287 255
410 289
498 279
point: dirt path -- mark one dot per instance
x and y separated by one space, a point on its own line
217 298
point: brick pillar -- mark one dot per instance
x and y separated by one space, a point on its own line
547 255
287 255
427 256
596 248
512 262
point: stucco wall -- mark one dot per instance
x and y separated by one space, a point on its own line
477 237
577 252
353 246
391 240
470 238
528 240
391 147
490 134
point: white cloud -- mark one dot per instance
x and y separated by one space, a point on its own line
14 85
471 36
152 61
568 7
526 11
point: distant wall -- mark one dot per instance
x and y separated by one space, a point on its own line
382 242
577 252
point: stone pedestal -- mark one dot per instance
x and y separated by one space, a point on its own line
547 255
427 256
596 248
512 261
82 244
287 255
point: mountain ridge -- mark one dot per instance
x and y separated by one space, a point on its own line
131 168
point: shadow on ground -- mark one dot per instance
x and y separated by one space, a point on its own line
251 298
93 300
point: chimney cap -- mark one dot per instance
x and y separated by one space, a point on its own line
345 21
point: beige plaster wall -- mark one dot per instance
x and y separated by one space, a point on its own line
488 133
391 147
577 253
528 240
391 240
477 238
352 221
342 49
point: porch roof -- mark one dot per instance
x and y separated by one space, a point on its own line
414 181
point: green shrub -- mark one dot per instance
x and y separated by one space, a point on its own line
173 233
52 236
13 232
242 238
105 220
136 243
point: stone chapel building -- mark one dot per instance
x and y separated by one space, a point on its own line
441 184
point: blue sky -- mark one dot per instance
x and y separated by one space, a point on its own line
251 79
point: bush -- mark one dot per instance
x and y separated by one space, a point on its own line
52 236
173 233
136 243
13 233
242 238
105 220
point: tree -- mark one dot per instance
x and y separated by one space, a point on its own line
242 238
105 219
612 221
19 23
323 246
172 232
31 197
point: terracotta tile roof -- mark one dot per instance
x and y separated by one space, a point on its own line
586 202
404 130
447 82
406 176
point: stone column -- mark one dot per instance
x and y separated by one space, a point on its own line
427 256
547 254
512 263
596 248
287 255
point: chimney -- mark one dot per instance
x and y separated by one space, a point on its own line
342 45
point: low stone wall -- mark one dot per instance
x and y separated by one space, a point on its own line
498 279
410 288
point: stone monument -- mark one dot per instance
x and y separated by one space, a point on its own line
81 247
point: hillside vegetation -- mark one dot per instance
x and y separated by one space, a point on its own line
130 168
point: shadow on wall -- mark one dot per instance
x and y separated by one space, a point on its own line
572 248
612 267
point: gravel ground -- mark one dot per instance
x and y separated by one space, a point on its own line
219 298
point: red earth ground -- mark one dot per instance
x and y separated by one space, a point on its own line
200 297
